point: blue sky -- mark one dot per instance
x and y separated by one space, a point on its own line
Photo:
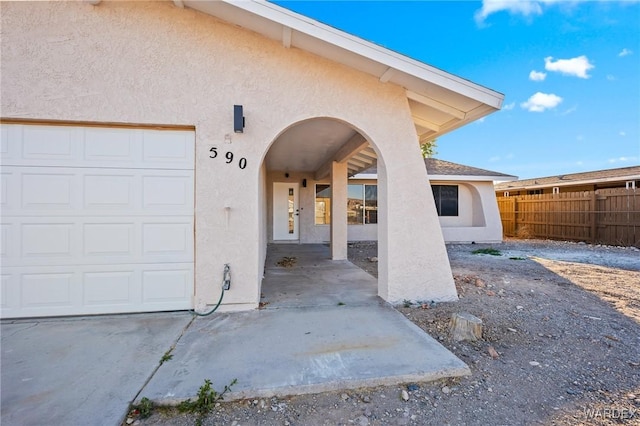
569 70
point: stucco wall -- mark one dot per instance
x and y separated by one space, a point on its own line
479 216
143 62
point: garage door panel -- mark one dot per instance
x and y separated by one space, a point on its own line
5 237
4 141
47 239
47 191
96 240
110 145
109 191
5 187
166 286
67 146
167 239
109 239
160 148
7 299
47 289
95 220
84 191
52 143
167 191
109 288
95 289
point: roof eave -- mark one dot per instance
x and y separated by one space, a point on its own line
457 101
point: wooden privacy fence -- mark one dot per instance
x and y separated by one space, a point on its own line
605 216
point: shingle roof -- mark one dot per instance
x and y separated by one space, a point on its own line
436 167
623 173
447 168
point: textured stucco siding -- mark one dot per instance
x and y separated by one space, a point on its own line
479 217
153 63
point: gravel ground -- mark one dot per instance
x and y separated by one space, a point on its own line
560 346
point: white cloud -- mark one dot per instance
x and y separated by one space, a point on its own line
623 160
480 120
611 77
525 8
579 137
578 66
540 102
569 111
623 133
509 107
522 7
625 52
537 75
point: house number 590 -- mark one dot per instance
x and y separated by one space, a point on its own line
213 153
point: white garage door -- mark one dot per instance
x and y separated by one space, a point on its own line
95 220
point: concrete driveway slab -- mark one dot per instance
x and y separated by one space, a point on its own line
78 371
304 350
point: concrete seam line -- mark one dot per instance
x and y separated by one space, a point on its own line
155 370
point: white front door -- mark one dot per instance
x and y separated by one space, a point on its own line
285 211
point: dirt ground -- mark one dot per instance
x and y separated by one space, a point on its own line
560 346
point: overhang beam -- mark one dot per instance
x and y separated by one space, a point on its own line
386 76
426 124
425 100
287 34
354 145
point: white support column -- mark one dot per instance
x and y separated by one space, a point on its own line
338 211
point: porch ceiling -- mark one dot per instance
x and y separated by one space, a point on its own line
312 145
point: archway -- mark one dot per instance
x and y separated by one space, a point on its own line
307 194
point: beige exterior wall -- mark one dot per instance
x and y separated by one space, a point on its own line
153 63
479 217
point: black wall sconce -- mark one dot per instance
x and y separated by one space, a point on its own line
238 119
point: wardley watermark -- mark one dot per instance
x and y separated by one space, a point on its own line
611 413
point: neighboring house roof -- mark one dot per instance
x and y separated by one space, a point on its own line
439 101
446 170
585 178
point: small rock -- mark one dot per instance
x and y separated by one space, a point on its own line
490 293
513 330
405 395
373 259
366 399
493 352
136 423
519 307
534 363
446 390
412 387
344 396
129 420
255 402
489 389
362 421
480 283
286 423
368 413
